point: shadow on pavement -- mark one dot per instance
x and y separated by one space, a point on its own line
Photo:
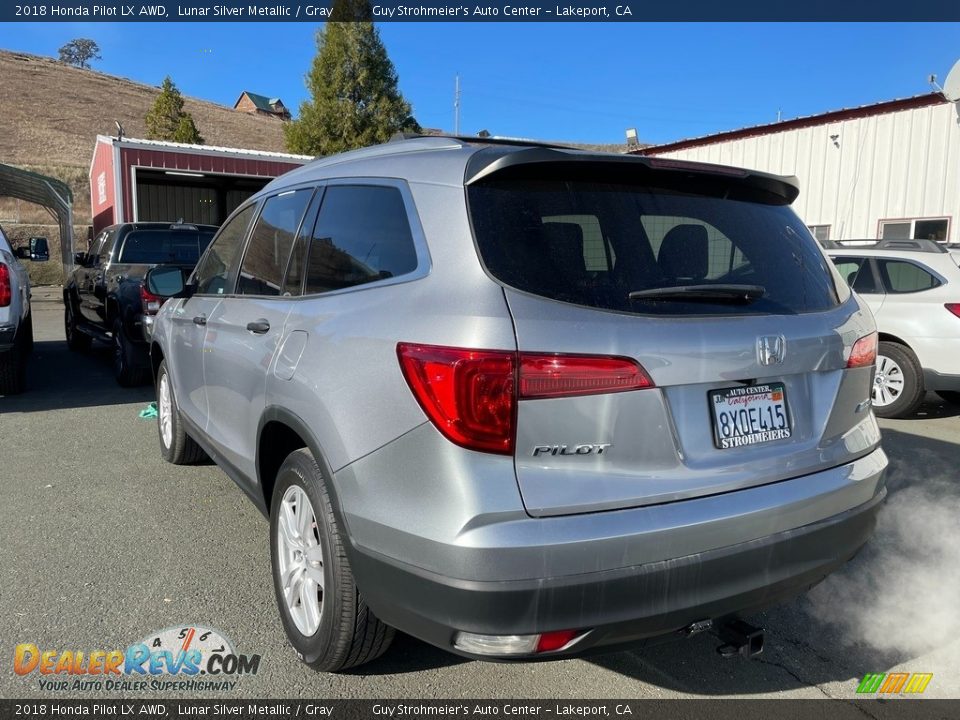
58 379
895 602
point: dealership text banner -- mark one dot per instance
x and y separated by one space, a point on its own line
454 11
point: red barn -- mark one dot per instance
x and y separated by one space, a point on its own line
144 180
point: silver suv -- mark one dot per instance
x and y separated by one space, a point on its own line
521 401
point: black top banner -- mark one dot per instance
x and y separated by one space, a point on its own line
484 11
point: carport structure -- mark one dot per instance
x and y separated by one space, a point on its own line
52 194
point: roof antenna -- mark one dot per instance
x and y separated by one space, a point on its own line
119 129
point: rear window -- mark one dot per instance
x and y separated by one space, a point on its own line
152 247
595 244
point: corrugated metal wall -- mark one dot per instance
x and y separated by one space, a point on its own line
102 197
902 164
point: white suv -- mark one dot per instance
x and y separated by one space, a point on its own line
913 288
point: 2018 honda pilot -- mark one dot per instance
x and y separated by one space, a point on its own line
522 401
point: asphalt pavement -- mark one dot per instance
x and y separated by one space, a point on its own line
102 544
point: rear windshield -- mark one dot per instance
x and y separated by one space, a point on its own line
595 244
152 247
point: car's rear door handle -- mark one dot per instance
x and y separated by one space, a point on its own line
259 327
200 320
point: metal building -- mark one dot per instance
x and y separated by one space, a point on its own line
889 170
143 180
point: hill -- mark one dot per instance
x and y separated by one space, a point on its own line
52 113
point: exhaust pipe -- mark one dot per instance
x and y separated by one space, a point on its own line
739 638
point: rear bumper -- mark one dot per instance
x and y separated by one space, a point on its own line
621 606
932 380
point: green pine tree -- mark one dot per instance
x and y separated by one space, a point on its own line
167 119
354 100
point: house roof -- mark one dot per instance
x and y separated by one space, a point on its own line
202 149
833 116
267 104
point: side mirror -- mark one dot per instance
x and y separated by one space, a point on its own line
23 253
167 282
79 258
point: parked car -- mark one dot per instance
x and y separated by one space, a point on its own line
104 296
16 322
525 402
913 288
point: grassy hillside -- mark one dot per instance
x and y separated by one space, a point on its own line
52 114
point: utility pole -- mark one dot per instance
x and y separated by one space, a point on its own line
456 106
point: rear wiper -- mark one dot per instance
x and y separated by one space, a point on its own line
722 293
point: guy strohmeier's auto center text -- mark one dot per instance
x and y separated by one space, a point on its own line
306 11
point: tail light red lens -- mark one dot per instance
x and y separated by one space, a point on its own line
954 308
545 376
471 395
864 352
151 303
6 292
468 394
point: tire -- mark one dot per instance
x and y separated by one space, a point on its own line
125 368
342 632
951 396
13 366
76 340
898 383
176 446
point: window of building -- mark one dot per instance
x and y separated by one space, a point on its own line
362 235
915 229
266 257
820 232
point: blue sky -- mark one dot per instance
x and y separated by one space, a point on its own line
557 81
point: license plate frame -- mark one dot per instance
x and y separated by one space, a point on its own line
747 429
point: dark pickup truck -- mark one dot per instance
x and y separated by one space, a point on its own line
105 299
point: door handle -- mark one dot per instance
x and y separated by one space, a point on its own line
200 320
258 327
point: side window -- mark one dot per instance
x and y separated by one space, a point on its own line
267 252
691 249
583 234
296 267
857 273
362 235
905 277
213 273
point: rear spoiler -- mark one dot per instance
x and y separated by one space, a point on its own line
754 185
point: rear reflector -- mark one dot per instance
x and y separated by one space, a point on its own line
514 644
954 308
6 292
864 351
545 376
471 395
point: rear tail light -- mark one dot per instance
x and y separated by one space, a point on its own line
500 645
864 352
545 376
151 303
6 292
471 395
954 308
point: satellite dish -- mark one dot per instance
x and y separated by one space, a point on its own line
951 86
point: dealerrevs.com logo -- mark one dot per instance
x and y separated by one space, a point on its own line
190 658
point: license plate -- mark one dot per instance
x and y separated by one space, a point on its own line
749 415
